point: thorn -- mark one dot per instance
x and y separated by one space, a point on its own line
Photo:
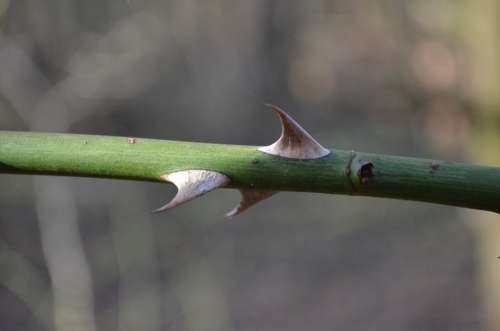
192 184
294 142
248 199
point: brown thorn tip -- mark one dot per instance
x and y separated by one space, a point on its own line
248 199
294 142
192 184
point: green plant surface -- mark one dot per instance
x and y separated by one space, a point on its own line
340 172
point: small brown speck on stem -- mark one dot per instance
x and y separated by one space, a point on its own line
434 167
365 172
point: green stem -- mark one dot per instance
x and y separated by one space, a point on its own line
341 172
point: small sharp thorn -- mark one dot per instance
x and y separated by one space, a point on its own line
192 184
294 142
248 199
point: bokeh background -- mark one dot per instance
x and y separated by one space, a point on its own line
416 78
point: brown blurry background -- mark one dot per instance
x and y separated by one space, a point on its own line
415 78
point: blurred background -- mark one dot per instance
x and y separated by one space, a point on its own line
415 78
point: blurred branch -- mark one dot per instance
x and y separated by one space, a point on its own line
341 172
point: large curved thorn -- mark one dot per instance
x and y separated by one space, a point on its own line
192 184
295 142
248 199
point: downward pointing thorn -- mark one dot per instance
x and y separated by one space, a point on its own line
248 199
192 184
